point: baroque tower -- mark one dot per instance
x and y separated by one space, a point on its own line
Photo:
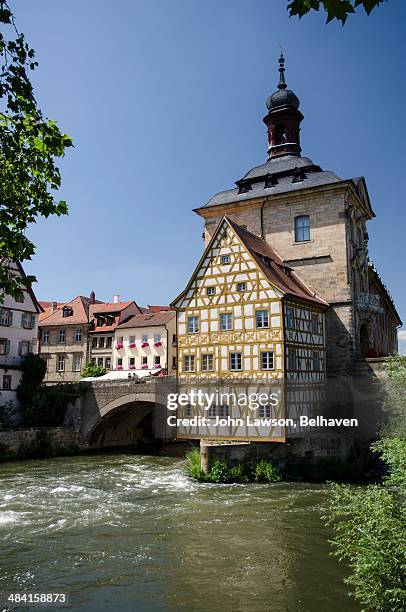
315 222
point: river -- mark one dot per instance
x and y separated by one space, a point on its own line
126 532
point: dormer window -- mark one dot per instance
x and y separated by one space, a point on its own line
270 181
244 187
67 311
298 176
225 259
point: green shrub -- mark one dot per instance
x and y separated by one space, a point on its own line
193 465
93 370
266 471
220 473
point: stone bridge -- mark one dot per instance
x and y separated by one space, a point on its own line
121 413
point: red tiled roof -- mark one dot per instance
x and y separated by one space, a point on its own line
149 319
80 307
102 307
277 272
158 308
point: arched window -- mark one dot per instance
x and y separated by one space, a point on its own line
302 228
280 133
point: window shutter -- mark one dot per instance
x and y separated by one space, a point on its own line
7 347
10 318
22 319
30 347
20 346
32 321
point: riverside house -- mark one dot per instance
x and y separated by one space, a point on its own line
18 337
146 343
105 317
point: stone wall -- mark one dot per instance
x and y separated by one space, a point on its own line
59 437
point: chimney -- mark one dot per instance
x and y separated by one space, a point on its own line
116 298
54 306
92 297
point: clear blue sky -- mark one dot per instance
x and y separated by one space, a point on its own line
164 100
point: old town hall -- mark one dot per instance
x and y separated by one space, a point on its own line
285 283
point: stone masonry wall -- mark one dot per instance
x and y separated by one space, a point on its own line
59 437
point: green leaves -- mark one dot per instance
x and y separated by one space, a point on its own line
29 147
335 9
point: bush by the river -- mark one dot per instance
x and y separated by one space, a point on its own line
370 522
41 405
260 471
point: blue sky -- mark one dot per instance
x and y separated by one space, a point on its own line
164 100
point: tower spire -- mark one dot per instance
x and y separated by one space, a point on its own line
282 82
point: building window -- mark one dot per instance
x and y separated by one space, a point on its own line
6 382
302 228
223 411
157 338
27 320
67 311
174 361
77 363
23 348
316 361
264 412
100 361
101 342
20 298
267 362
144 338
4 346
189 363
120 361
60 363
94 342
188 411
131 340
144 360
131 361
226 321
61 336
107 363
225 259
207 362
292 359
210 291
315 323
211 413
45 336
235 361
174 341
6 317
93 360
192 325
78 335
290 318
241 286
109 342
157 360
262 317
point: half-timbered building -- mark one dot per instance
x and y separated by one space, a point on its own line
246 315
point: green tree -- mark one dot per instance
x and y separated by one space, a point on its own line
91 369
370 522
29 145
335 9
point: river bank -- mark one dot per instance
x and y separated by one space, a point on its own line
123 532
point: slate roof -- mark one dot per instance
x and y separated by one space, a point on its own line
149 319
273 266
288 172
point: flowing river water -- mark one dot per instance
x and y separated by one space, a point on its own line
127 532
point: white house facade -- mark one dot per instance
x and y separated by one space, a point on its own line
18 337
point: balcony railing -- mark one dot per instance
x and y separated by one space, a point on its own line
10 361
